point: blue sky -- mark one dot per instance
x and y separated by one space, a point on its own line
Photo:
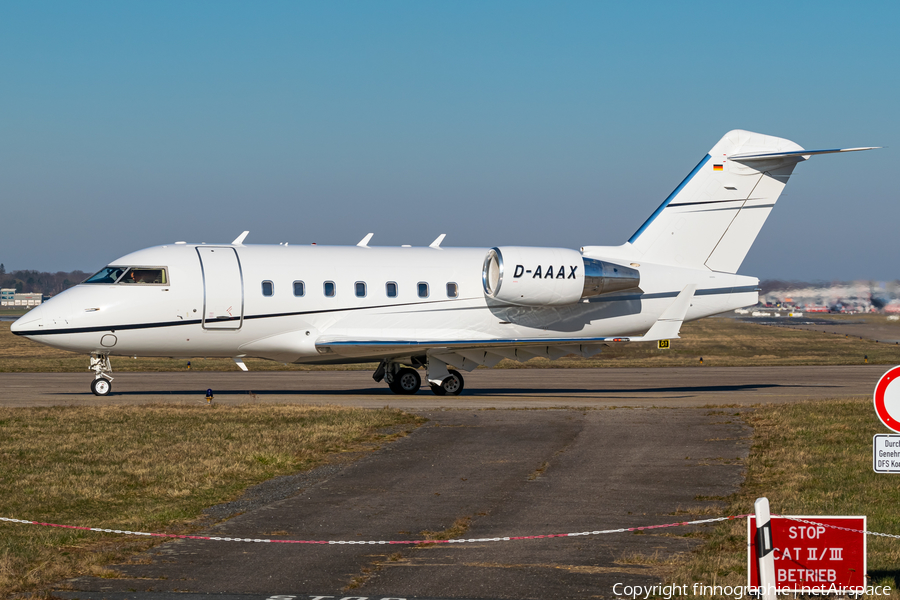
126 125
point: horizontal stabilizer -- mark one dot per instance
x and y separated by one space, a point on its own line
803 154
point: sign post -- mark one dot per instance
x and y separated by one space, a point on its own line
765 558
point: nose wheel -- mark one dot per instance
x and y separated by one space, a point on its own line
102 383
101 387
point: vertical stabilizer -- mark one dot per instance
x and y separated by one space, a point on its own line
714 216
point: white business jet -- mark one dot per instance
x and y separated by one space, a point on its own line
442 309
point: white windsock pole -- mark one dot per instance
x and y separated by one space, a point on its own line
764 549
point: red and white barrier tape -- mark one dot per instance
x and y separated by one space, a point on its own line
459 541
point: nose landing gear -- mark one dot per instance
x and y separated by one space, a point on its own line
100 365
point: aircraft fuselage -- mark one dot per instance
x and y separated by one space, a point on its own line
222 310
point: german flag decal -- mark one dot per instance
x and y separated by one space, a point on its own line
717 167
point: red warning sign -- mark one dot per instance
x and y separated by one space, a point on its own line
887 399
810 555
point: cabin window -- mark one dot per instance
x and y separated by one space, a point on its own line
329 289
391 289
423 289
299 288
452 290
360 289
268 288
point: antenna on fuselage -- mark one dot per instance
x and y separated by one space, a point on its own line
239 241
437 243
364 243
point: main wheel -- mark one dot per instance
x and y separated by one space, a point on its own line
452 385
406 381
101 387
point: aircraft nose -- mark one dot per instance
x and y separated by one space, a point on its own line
30 321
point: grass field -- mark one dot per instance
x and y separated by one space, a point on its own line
719 341
150 468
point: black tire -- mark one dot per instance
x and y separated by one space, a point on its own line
406 382
438 390
454 384
101 387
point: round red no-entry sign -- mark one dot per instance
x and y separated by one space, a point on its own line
887 399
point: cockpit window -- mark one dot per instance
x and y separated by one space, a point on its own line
107 275
145 275
139 275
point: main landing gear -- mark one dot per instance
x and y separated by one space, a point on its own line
452 384
406 381
102 383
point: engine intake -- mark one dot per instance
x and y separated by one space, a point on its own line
528 276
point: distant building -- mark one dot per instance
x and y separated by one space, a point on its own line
22 300
892 307
10 299
31 299
843 297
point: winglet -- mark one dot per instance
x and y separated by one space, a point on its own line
364 243
669 323
437 243
239 241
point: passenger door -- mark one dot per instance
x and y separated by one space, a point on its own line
223 287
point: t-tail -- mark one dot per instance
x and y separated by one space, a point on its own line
713 217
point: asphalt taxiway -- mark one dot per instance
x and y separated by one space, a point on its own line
485 388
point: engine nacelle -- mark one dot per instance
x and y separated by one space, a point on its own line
528 276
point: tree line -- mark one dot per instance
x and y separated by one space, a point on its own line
48 284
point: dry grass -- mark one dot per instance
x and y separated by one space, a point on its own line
719 341
148 468
459 527
807 458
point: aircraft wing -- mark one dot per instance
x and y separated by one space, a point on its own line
470 353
